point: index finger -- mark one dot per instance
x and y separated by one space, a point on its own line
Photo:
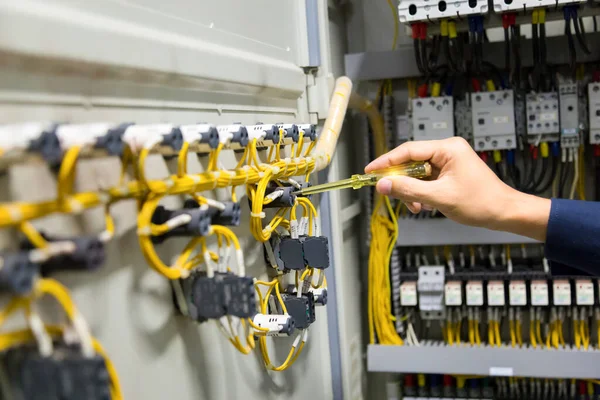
409 151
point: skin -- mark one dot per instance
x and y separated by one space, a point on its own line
463 188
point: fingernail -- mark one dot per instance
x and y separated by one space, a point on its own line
384 186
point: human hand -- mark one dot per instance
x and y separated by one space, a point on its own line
462 188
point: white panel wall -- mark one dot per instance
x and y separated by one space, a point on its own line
179 61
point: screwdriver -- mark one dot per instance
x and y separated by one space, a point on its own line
416 169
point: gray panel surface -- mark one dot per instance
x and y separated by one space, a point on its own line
437 358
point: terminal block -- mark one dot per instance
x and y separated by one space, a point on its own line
265 135
316 251
239 296
426 11
433 118
207 297
199 224
278 324
90 137
302 309
89 254
542 117
297 254
166 138
17 272
569 115
233 136
501 6
20 140
202 137
229 216
66 374
493 117
594 114
310 132
291 133
319 295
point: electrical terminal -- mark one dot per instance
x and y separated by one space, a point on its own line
561 292
310 132
17 272
103 138
202 138
185 222
266 135
319 294
165 139
282 196
277 324
539 293
300 308
289 133
234 137
227 213
20 141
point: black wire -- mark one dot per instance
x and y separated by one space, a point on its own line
423 51
564 177
539 178
515 39
579 30
551 177
543 57
530 169
416 46
536 54
595 24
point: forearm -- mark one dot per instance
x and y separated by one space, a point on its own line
524 215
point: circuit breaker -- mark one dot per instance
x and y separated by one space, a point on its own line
425 10
542 117
569 115
433 118
501 6
594 106
493 116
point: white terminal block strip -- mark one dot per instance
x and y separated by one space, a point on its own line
501 6
289 133
408 294
234 137
594 112
426 10
433 118
569 115
493 115
517 293
474 293
453 293
266 135
16 140
542 117
561 293
584 292
495 293
539 293
154 136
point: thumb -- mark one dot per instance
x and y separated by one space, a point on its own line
408 189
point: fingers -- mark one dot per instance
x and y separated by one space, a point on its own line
410 151
414 208
410 190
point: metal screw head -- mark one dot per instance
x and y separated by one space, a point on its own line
432 103
480 144
495 143
439 108
499 102
492 96
487 138
478 98
595 88
419 104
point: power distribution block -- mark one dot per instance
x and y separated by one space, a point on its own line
66 374
501 6
433 118
542 117
569 115
594 107
493 118
425 10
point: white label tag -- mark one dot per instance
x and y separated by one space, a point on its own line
474 293
453 293
501 120
539 293
495 293
294 229
408 294
517 293
439 125
548 116
501 371
584 292
562 293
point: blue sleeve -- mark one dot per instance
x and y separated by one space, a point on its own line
573 236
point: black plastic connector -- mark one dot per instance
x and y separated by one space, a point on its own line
287 252
65 375
173 139
316 251
230 216
198 226
112 142
211 137
240 136
291 131
89 255
48 146
310 131
321 297
17 272
301 309
208 297
286 200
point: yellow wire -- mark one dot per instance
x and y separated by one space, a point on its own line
396 23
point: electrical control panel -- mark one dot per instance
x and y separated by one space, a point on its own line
433 118
493 118
594 112
542 117
569 115
425 10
